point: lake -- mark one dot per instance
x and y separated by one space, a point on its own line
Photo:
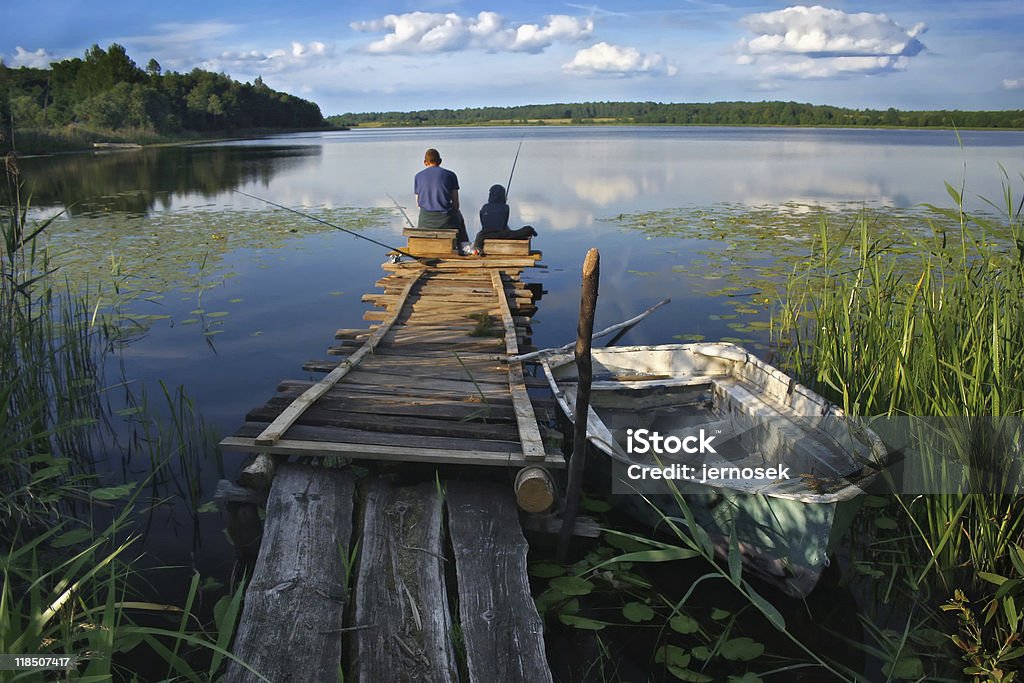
226 296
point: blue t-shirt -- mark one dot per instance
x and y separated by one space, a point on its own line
433 185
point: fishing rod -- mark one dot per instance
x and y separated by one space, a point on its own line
399 207
508 186
338 227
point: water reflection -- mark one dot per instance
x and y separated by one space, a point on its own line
139 182
566 177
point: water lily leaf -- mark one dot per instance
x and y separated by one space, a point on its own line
672 655
741 649
637 612
572 585
749 677
545 570
689 675
684 623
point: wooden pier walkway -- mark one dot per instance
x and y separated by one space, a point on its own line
366 579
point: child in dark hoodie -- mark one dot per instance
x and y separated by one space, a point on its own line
494 221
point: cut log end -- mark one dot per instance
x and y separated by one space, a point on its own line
535 490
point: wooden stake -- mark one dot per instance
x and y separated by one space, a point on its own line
584 332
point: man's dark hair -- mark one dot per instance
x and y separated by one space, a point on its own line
432 156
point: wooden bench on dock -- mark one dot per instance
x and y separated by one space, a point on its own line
442 243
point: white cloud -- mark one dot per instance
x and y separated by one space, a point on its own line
39 59
817 42
297 56
1013 83
433 32
604 58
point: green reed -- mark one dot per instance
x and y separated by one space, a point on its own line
929 325
67 581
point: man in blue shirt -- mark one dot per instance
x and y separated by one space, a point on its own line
437 196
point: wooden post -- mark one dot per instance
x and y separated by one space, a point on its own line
584 331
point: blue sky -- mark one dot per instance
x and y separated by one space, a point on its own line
400 55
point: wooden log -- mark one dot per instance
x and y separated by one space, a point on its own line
584 370
503 634
259 474
230 492
535 490
290 624
245 529
402 621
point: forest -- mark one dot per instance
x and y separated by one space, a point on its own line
106 91
714 114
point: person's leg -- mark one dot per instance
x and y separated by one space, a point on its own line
520 234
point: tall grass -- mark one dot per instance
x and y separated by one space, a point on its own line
67 580
930 326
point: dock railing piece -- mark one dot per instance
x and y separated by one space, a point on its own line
289 415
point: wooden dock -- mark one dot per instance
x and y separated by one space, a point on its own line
365 578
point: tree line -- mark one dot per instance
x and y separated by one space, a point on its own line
107 90
715 113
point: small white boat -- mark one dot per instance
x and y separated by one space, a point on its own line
754 453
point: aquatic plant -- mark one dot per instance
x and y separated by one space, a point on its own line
924 330
68 583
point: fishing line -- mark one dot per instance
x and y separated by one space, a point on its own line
338 227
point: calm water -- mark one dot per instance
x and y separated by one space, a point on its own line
242 294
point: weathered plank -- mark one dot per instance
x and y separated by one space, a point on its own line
324 416
493 247
400 391
392 406
327 435
433 234
292 618
503 633
292 412
511 457
529 434
402 620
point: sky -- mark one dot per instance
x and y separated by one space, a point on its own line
399 55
